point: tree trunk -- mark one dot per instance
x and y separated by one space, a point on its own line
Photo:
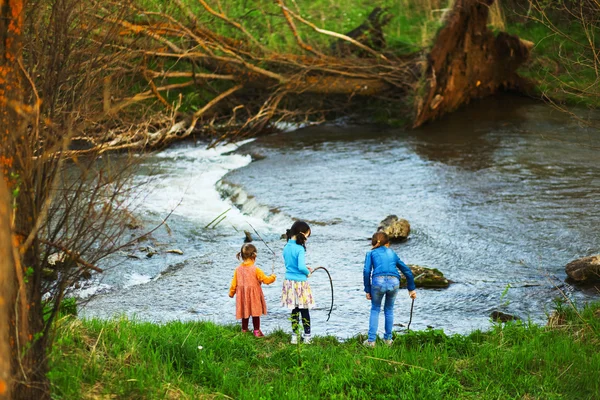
7 291
467 61
28 351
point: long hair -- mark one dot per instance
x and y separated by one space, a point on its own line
299 229
248 252
380 238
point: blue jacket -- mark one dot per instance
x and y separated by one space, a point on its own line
384 261
295 266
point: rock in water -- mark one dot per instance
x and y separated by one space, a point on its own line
396 228
499 316
584 270
426 277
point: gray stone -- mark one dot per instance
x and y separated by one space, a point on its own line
426 277
584 270
500 316
396 228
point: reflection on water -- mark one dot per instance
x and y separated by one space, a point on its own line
500 196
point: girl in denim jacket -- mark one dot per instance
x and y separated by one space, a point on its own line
382 280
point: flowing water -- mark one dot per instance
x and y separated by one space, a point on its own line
500 197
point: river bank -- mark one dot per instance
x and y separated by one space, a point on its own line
132 359
493 203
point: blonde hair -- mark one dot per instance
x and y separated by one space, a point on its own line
380 238
248 252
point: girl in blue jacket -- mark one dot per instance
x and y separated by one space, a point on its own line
381 279
296 294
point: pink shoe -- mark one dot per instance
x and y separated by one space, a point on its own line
258 333
244 330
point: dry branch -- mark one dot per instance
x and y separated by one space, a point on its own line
270 86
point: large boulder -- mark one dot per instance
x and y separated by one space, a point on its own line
396 228
426 277
584 270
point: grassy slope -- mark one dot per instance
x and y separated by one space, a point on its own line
414 22
128 359
562 68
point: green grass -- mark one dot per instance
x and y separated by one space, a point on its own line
128 359
561 67
413 25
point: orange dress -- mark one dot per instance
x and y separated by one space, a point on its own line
250 300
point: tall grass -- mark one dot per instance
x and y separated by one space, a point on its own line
128 359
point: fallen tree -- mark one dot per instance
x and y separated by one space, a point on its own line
468 61
248 87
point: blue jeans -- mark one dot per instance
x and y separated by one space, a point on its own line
383 286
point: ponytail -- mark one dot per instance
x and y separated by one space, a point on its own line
380 238
248 251
299 229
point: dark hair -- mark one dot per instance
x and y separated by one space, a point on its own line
248 251
380 238
300 229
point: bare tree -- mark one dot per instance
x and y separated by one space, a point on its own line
53 62
575 26
7 290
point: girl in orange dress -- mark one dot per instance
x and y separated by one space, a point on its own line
250 300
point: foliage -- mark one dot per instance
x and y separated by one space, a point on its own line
564 61
130 359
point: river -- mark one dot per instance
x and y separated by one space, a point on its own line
500 196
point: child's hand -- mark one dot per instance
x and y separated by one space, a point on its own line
413 294
231 296
368 296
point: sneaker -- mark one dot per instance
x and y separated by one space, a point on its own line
294 339
258 333
306 338
368 344
389 342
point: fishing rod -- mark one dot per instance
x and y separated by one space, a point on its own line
411 314
265 243
412 306
331 284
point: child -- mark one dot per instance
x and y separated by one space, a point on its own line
381 279
250 300
296 294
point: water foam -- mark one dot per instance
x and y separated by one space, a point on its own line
185 181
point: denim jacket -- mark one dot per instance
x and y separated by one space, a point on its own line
384 261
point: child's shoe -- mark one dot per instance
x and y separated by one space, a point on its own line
294 339
389 342
368 344
306 338
244 330
258 333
